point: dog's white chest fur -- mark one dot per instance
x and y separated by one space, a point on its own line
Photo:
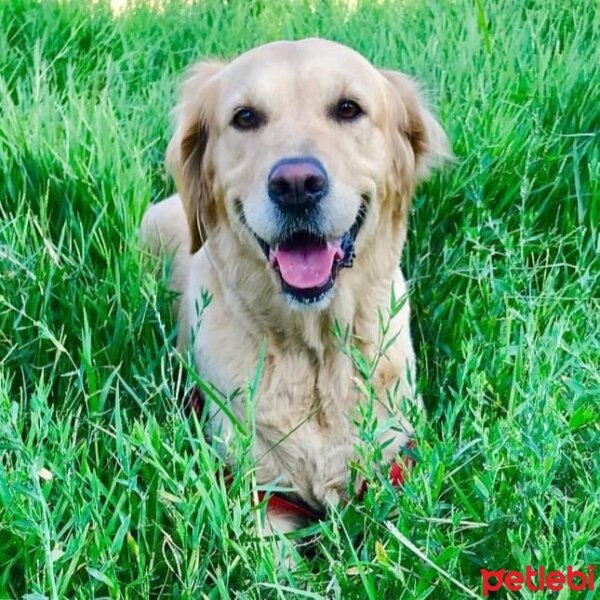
303 432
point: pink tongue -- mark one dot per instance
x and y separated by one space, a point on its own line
307 267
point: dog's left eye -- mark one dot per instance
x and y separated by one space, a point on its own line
347 110
247 118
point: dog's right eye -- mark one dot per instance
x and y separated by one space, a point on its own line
246 118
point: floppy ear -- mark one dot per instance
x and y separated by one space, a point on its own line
187 150
414 121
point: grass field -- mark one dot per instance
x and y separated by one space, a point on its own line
107 488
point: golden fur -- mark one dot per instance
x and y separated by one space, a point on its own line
308 395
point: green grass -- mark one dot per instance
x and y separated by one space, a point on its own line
503 258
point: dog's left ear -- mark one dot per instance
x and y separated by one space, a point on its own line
413 121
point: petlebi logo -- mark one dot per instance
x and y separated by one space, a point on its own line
537 580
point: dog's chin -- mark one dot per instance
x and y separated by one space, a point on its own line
316 303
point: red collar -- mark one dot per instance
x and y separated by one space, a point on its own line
279 503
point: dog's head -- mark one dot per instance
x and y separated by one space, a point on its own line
302 151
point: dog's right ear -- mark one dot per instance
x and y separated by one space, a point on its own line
187 153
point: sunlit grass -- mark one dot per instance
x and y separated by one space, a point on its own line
106 485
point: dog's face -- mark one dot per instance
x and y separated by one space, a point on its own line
300 149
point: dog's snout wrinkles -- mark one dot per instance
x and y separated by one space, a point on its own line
297 182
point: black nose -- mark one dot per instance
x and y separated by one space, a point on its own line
297 183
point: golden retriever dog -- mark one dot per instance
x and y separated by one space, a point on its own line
295 164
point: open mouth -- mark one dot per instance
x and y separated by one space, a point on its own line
308 263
